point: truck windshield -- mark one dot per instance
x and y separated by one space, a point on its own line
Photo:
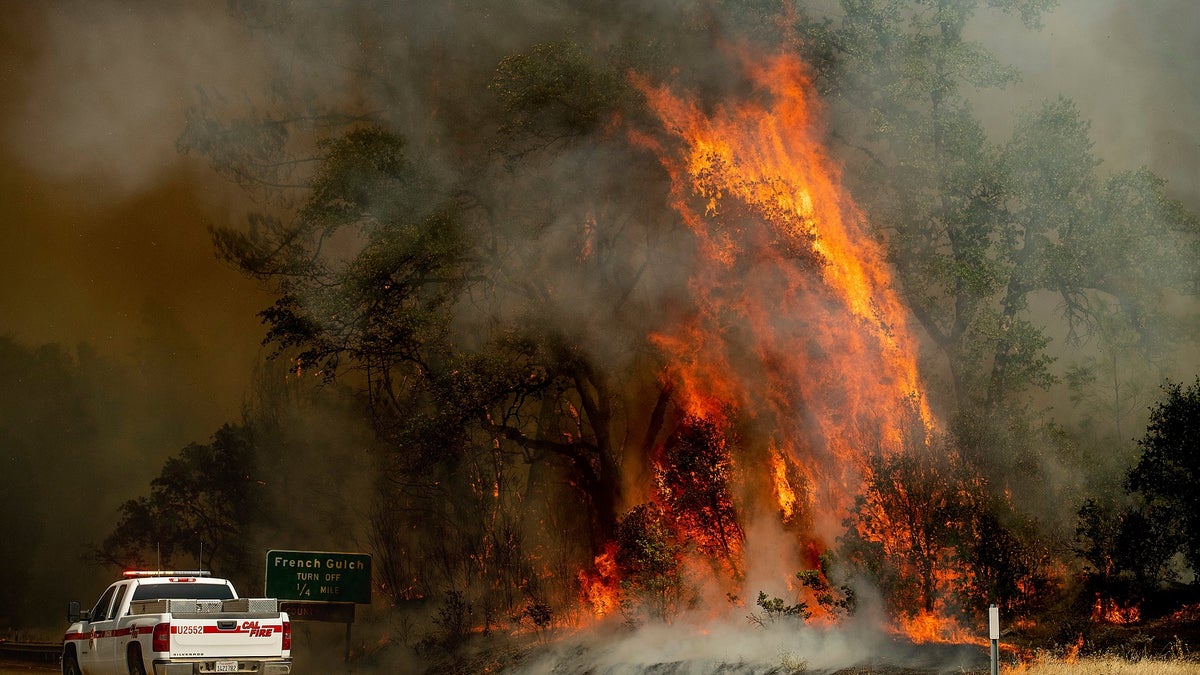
182 592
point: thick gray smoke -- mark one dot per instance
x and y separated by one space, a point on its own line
1130 66
97 94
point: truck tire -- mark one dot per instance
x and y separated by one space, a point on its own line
136 667
70 665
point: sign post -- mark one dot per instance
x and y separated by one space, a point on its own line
319 585
994 635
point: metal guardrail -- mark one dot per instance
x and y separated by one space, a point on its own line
31 651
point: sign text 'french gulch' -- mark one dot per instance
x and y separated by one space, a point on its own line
317 576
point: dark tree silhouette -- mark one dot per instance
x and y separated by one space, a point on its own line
1168 471
200 510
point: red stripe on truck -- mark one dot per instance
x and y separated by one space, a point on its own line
254 630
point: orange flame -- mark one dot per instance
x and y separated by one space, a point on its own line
929 627
1073 649
600 588
785 495
1107 610
785 265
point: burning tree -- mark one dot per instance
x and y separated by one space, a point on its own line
1012 565
908 527
930 533
694 478
648 561
1125 553
436 296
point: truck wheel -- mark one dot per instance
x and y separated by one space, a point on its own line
135 662
70 665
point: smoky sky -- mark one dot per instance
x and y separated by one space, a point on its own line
104 223
1131 67
103 216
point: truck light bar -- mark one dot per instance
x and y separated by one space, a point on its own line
138 574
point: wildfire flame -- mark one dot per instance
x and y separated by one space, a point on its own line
794 324
1072 652
786 266
1107 610
928 627
785 494
599 588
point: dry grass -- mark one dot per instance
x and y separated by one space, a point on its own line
1105 665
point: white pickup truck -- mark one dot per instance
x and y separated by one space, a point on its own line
176 623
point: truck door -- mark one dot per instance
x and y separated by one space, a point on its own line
92 658
118 638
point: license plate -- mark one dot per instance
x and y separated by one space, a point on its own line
225 667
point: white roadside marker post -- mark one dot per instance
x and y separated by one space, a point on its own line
994 634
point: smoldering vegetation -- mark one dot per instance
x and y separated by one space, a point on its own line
476 265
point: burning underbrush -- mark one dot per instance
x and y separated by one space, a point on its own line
732 647
772 636
767 637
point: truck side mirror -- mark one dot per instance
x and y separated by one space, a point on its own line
73 612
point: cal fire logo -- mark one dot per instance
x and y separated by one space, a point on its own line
256 630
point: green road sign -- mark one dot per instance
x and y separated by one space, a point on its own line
318 576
